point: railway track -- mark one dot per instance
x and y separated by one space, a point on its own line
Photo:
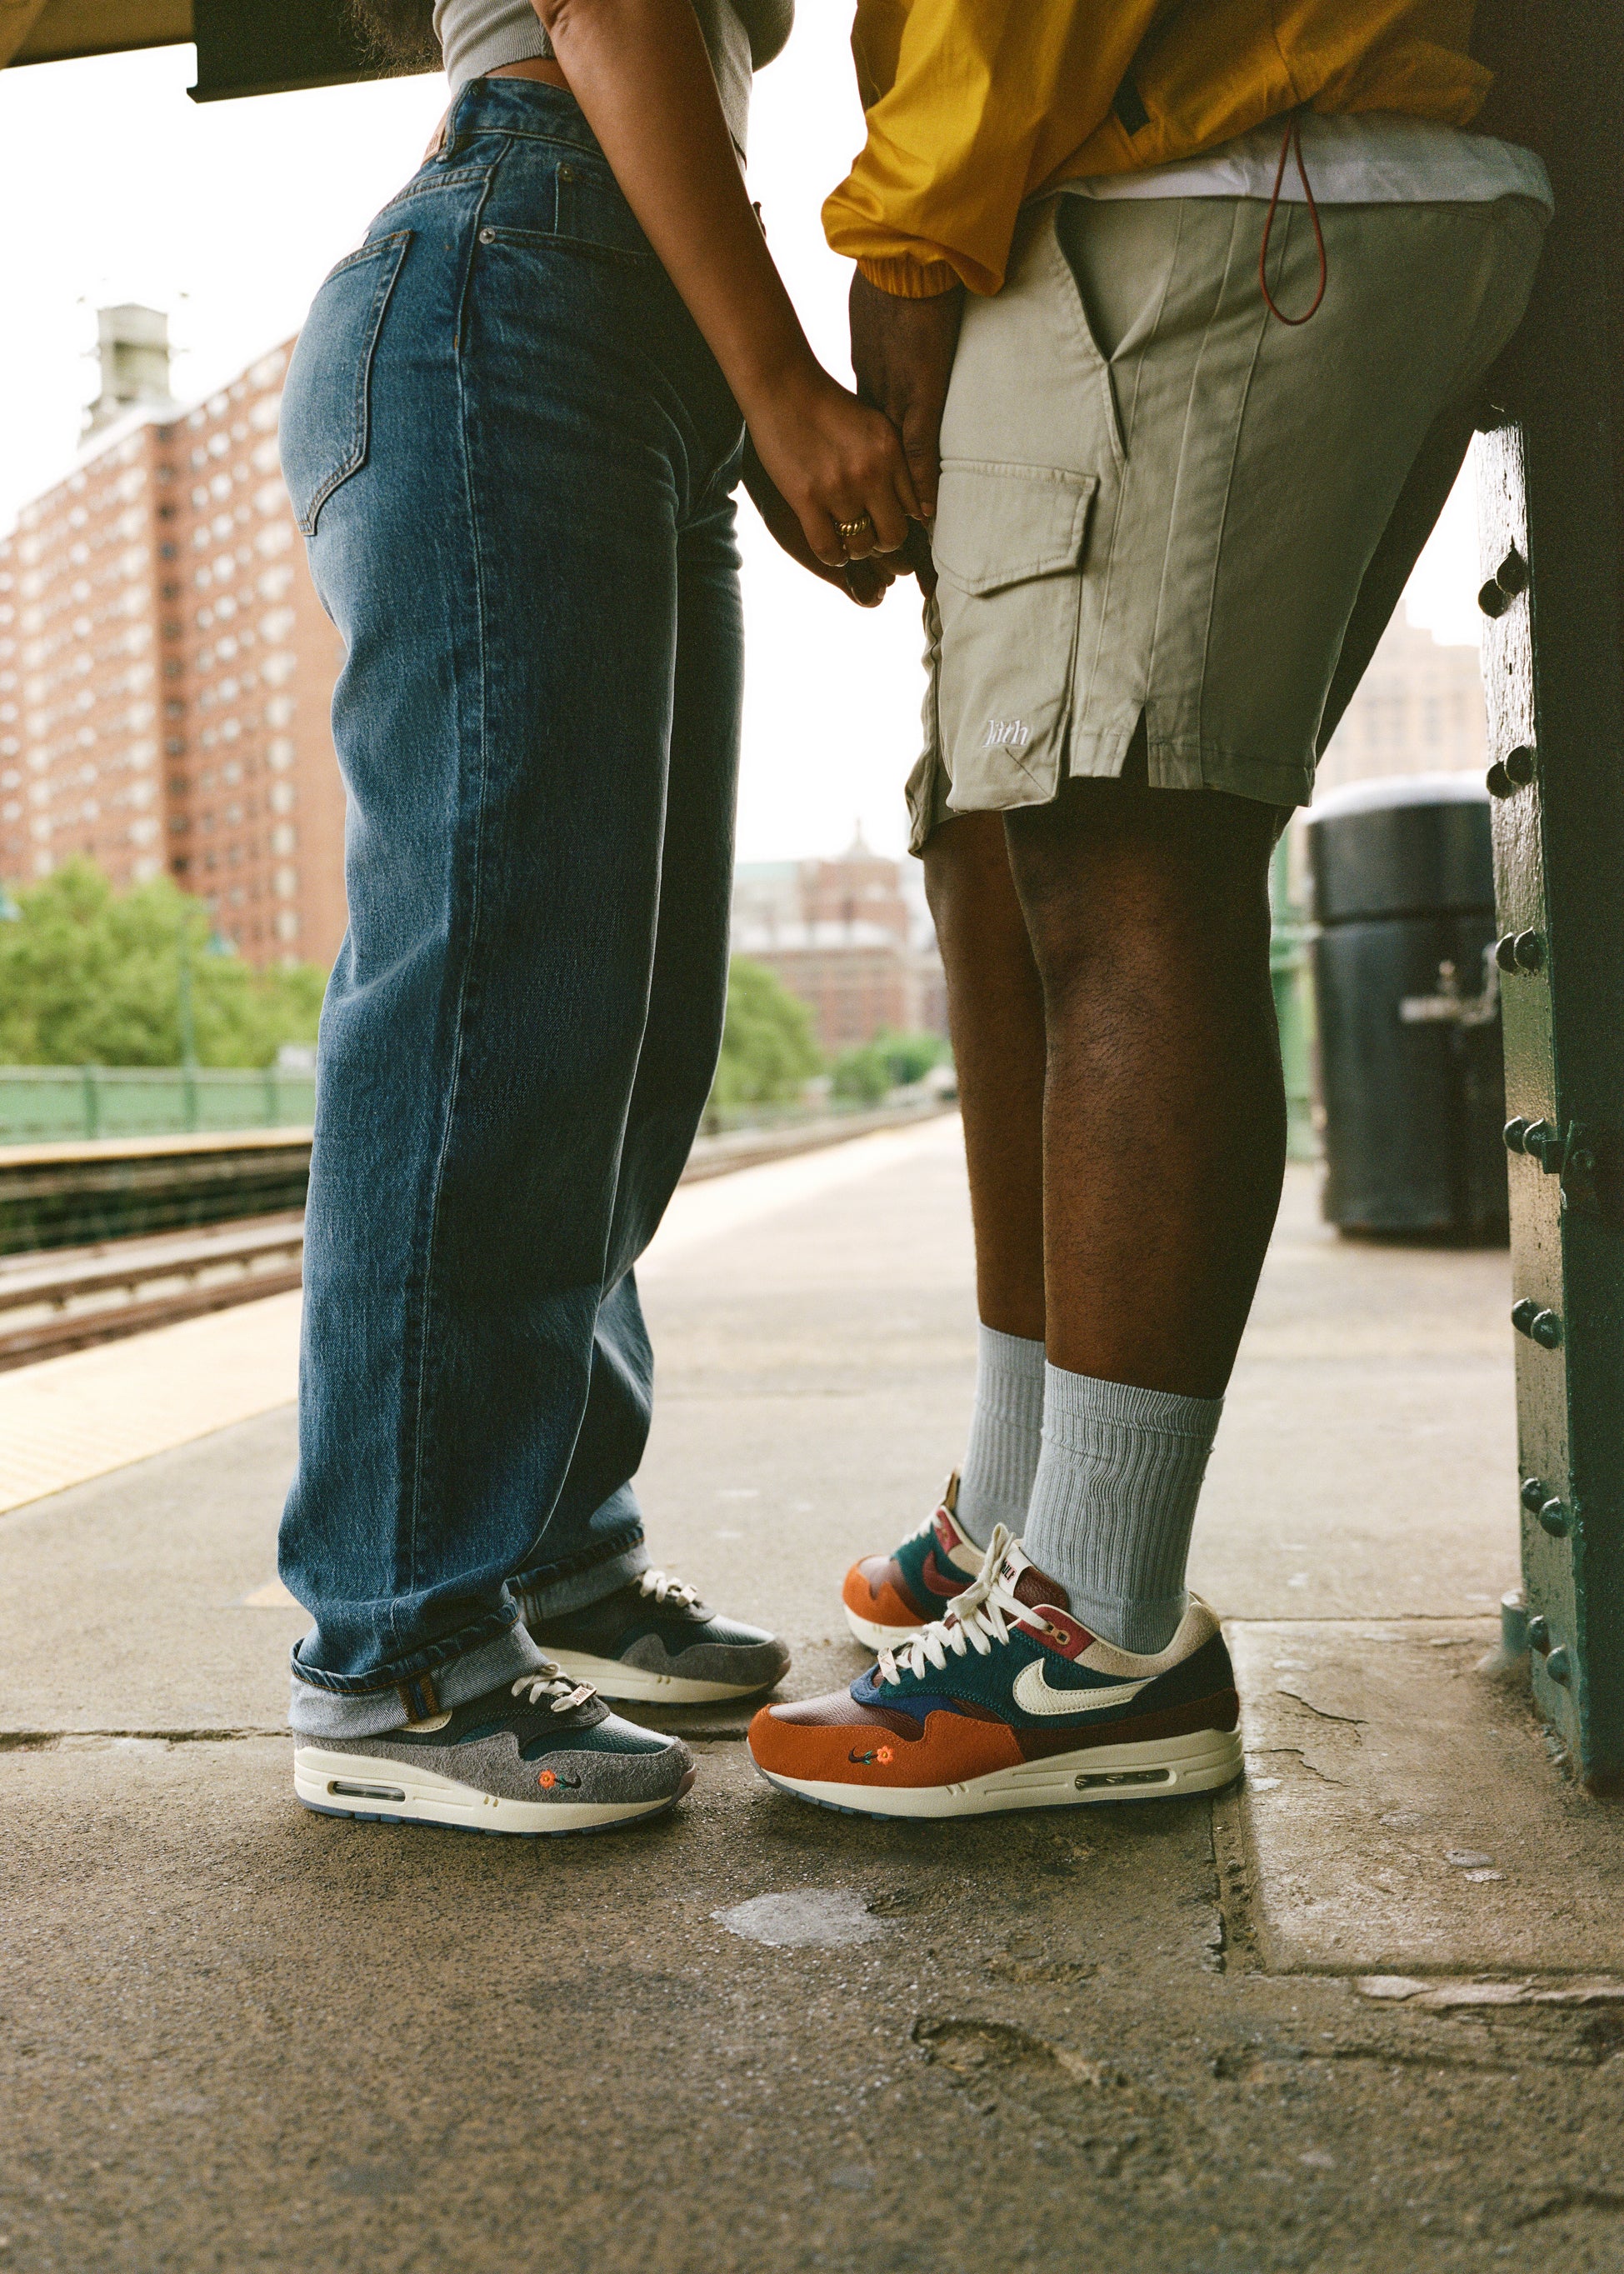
60 1297
63 1299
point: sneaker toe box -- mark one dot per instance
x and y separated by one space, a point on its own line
723 1651
625 1765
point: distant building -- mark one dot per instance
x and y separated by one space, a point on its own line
847 939
166 669
1418 710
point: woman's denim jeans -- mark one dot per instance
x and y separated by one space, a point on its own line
512 456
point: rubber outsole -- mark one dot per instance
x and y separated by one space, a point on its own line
635 1685
443 1806
1204 1760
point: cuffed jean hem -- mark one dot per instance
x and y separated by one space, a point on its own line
544 1598
314 1713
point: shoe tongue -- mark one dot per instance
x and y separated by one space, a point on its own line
1029 1585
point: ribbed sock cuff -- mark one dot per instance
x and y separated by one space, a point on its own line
1006 1434
1114 1501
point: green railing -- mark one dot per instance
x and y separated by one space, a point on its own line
41 1105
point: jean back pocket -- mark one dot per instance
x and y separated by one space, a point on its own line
326 401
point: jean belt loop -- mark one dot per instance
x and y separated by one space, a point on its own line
450 138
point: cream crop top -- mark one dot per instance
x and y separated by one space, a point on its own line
741 35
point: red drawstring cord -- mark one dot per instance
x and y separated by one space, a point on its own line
1291 144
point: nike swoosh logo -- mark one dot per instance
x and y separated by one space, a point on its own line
1033 1695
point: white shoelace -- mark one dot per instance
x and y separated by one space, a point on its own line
982 1616
665 1589
547 1682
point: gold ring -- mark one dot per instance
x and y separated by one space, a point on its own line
861 527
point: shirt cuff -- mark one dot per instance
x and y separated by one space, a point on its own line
905 279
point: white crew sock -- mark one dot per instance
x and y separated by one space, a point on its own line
1114 1500
1006 1435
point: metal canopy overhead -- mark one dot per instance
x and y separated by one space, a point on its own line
244 46
52 31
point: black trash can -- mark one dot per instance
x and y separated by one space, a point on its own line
1411 1075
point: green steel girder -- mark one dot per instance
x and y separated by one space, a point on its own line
1551 471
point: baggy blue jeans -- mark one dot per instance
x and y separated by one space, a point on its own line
512 456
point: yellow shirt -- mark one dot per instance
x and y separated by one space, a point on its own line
976 105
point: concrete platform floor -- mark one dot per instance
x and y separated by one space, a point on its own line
1364 2012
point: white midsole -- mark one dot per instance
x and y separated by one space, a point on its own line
612 1679
1200 1761
417 1795
879 1638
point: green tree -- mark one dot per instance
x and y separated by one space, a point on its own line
871 1072
767 1050
91 977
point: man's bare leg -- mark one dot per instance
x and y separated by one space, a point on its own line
1164 1148
995 1011
1165 1118
994 1004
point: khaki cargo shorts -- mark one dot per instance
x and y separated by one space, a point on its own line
1158 502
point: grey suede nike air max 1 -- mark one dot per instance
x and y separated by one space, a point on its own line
545 1755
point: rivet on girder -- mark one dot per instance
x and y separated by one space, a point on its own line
1514 1132
1546 1329
1539 1631
1553 1519
1533 1493
1508 579
1527 951
1558 1668
1523 1314
1543 1144
1511 773
1506 951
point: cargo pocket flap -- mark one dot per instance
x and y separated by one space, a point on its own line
1002 525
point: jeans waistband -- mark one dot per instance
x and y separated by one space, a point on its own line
527 108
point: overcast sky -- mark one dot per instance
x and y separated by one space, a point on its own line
116 187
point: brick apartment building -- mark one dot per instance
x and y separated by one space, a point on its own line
165 666
1418 710
844 936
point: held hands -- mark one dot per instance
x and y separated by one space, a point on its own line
867 581
902 353
847 484
837 464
